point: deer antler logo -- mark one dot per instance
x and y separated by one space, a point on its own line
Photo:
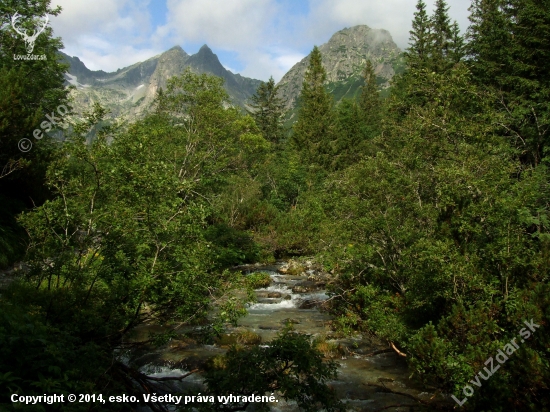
29 40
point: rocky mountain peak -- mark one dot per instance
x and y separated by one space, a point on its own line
131 91
206 60
344 58
205 49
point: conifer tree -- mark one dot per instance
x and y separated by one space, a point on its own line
435 46
418 51
510 52
267 111
456 45
369 101
528 73
314 128
441 34
488 36
357 123
406 91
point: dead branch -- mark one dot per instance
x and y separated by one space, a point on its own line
397 350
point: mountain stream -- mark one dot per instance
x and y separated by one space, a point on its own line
370 376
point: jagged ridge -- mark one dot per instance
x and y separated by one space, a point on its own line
131 90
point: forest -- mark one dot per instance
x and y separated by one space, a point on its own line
429 207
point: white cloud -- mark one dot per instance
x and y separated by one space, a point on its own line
116 58
110 35
329 16
246 27
286 61
228 24
266 38
261 65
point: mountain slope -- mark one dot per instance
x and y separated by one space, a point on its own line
130 91
344 58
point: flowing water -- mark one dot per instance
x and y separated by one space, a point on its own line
367 382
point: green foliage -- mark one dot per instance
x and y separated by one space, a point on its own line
510 53
357 123
436 224
267 111
314 128
284 178
441 34
230 246
29 90
418 51
352 134
125 238
290 367
430 208
435 46
369 101
258 280
37 358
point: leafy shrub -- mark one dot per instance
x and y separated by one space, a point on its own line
290 366
258 280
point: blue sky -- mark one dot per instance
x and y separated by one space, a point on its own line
256 38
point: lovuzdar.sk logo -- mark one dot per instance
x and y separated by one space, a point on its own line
29 39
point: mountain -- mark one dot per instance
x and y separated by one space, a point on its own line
130 91
344 58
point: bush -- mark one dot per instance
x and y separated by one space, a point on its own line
258 280
290 366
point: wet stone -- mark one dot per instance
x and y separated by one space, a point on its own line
307 286
309 304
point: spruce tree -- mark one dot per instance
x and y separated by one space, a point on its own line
314 128
406 90
441 34
457 46
530 68
489 37
267 109
419 41
369 102
510 52
357 123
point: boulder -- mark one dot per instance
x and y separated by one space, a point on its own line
308 286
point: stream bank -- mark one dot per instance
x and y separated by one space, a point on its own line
370 377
